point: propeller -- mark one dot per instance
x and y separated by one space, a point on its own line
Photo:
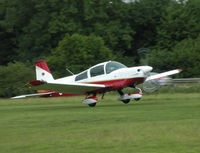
156 80
150 86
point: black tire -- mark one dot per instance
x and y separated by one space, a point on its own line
92 105
137 99
126 101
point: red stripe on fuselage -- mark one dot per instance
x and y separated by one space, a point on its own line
119 83
111 84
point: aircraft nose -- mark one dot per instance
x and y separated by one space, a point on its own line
147 69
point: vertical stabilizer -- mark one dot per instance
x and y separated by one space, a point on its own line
42 71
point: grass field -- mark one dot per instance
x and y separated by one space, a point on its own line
162 123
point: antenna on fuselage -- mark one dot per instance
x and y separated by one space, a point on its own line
69 71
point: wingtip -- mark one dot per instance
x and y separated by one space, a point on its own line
179 70
18 97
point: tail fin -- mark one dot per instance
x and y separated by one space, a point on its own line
42 71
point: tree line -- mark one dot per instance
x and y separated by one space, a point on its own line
76 34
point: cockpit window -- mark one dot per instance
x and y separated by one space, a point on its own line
81 76
98 70
112 66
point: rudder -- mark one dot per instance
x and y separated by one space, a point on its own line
43 72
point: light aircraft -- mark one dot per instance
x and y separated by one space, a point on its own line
99 79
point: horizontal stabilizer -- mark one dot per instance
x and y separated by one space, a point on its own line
160 75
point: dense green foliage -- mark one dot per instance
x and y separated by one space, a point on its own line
78 52
164 123
180 22
13 77
32 30
185 55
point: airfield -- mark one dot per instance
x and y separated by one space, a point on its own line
159 123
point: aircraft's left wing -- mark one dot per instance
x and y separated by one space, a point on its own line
69 88
160 75
30 95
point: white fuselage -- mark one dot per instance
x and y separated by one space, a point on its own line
119 74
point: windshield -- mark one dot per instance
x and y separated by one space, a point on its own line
98 70
112 66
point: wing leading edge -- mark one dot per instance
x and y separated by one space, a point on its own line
69 88
160 75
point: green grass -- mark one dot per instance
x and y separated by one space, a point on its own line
159 123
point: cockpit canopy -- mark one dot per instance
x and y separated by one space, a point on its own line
112 66
100 69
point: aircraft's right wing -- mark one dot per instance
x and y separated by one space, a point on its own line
160 75
69 88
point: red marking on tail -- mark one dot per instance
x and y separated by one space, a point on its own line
43 65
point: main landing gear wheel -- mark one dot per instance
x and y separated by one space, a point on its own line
126 101
137 99
92 105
